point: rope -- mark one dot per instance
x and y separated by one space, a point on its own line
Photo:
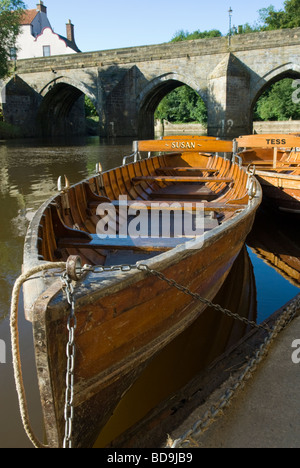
16 348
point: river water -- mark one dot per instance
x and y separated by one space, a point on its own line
29 170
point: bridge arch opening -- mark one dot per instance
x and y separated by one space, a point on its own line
277 104
66 110
62 111
154 98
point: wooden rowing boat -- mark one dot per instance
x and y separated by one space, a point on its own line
277 162
126 316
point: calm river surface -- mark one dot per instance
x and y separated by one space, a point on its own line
29 170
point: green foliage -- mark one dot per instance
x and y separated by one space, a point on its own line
182 105
287 18
90 109
10 14
186 36
277 103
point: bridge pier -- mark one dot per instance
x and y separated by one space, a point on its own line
229 108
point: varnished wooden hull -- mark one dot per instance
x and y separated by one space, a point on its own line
123 319
281 189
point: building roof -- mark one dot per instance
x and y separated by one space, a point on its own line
28 16
70 44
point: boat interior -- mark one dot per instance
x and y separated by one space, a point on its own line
280 159
160 182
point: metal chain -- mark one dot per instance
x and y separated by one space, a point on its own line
196 296
180 287
68 288
173 283
216 410
70 352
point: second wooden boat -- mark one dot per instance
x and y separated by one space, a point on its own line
126 315
277 162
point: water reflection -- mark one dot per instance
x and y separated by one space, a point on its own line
28 176
275 254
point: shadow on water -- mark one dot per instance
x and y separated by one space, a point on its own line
264 277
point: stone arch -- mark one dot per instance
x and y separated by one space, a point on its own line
71 82
153 93
62 109
288 70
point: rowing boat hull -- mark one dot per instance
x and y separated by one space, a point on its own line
281 190
120 330
124 318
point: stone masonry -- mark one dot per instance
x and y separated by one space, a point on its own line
45 94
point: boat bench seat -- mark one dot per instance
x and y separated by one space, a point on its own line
171 206
93 241
269 162
217 180
187 169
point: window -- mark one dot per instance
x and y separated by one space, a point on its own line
46 51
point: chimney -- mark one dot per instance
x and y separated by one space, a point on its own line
70 32
40 7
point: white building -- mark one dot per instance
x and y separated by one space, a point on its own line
37 38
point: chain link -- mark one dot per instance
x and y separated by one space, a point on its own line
72 324
216 410
70 352
196 296
173 283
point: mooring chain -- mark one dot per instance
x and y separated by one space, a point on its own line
70 352
68 288
188 439
173 283
74 272
196 296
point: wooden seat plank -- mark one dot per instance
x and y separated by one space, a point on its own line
187 169
172 206
217 180
113 243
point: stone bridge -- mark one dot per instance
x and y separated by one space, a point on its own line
45 95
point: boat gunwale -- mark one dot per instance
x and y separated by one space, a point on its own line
278 175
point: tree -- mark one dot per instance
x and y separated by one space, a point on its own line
277 103
10 16
187 36
182 105
288 18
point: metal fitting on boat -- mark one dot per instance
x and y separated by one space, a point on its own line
74 267
59 184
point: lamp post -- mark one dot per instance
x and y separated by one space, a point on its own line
230 16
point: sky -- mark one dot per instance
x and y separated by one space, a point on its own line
114 24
